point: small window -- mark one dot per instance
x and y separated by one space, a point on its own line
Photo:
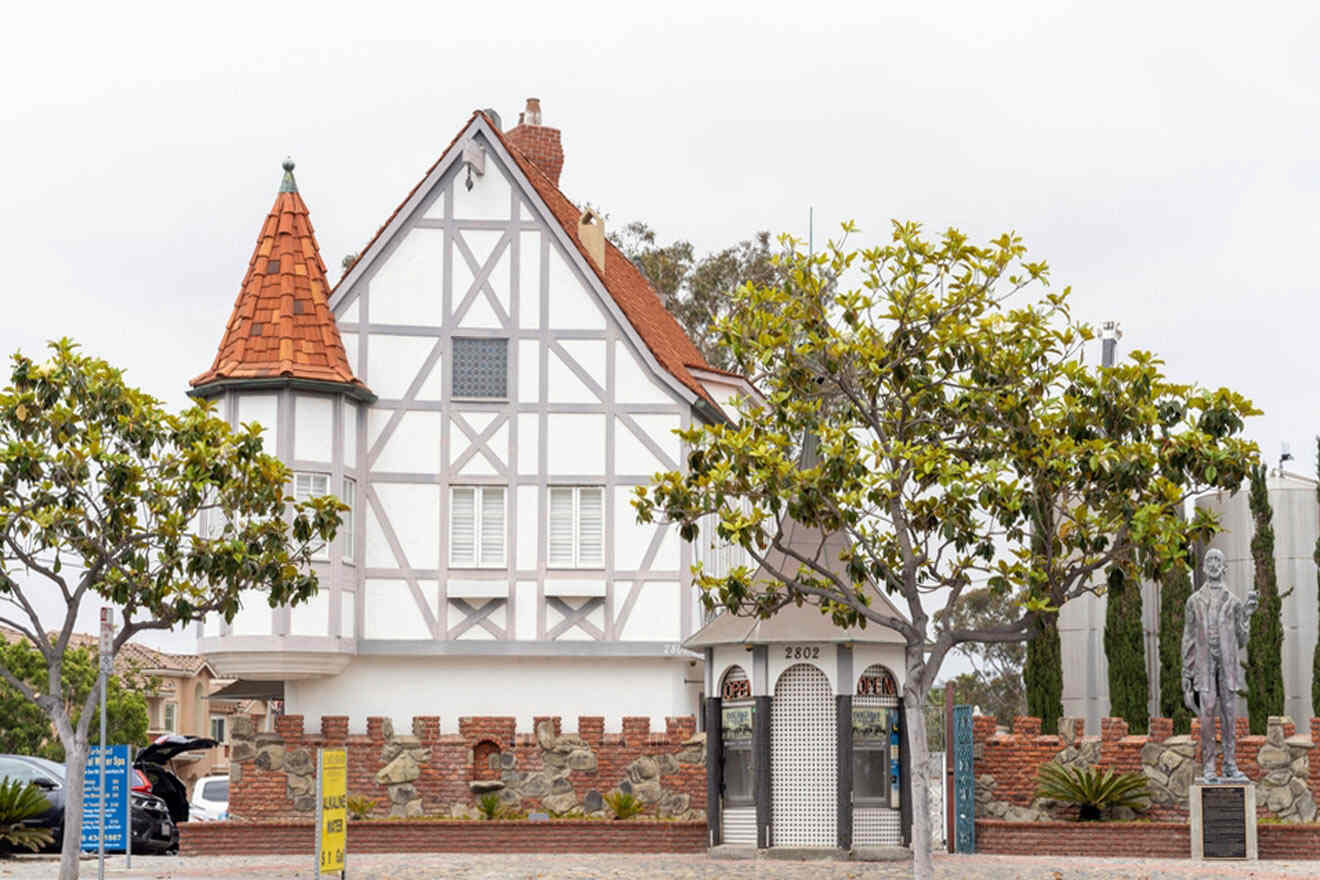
481 368
577 527
476 526
349 528
171 717
218 728
307 486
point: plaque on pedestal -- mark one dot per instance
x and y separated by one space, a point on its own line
1223 817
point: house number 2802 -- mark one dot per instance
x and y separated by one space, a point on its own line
800 653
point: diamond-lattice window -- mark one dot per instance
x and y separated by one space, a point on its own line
481 368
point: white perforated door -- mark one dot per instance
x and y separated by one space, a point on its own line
803 760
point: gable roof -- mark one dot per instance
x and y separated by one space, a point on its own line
629 289
281 327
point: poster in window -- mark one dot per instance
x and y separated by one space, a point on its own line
737 723
870 725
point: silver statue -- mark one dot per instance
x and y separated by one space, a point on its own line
1214 639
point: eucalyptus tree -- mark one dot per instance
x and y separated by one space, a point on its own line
101 491
961 442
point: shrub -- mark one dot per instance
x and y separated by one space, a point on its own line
20 801
1092 788
489 805
359 806
623 804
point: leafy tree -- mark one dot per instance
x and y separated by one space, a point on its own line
995 684
1175 587
1265 644
27 729
951 426
1125 648
697 290
1042 675
96 473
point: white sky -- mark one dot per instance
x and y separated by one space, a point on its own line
1163 157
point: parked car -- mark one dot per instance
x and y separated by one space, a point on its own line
154 831
210 800
153 763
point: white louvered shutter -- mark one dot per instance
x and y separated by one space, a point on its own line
591 522
462 527
492 526
561 527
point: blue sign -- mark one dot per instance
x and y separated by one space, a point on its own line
115 803
964 782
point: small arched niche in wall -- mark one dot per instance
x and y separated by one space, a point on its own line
486 760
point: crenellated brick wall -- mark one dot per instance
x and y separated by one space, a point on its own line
429 773
1006 765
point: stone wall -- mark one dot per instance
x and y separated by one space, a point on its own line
427 773
1285 766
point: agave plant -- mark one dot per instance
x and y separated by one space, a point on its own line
20 801
623 804
489 805
1092 788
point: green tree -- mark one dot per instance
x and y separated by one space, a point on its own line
951 426
100 489
1175 587
698 290
1042 673
995 682
27 729
1265 645
1125 649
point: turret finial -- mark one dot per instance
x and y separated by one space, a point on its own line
288 185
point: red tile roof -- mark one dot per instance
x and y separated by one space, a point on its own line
661 332
281 326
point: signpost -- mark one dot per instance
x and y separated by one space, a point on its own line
331 811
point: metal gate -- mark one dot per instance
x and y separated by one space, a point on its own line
803 760
964 783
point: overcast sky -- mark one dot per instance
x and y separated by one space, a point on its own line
1162 157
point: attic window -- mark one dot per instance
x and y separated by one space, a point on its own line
256 328
272 266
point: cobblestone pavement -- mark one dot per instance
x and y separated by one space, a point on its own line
453 866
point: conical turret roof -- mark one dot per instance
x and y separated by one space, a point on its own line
281 327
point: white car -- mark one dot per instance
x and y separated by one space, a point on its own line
210 800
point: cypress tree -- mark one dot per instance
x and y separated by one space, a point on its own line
1043 674
1265 646
1315 659
1125 649
1175 587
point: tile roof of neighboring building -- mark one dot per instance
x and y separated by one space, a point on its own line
129 656
281 326
661 332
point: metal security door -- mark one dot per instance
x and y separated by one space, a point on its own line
803 760
964 783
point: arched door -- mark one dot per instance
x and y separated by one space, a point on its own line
804 768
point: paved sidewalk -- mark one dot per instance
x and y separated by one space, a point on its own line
455 866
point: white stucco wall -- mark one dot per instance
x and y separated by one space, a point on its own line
401 687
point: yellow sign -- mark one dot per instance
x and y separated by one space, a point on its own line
333 792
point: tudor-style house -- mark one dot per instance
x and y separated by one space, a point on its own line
485 387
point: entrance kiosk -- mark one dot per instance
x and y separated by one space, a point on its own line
805 735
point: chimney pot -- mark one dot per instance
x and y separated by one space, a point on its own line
533 111
538 143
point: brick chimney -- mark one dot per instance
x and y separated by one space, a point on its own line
537 142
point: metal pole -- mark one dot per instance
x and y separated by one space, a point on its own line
104 661
128 810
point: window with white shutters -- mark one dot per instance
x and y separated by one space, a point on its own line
307 486
577 527
476 527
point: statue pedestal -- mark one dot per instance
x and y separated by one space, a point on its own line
1223 819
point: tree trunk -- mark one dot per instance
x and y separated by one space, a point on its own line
914 702
75 763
